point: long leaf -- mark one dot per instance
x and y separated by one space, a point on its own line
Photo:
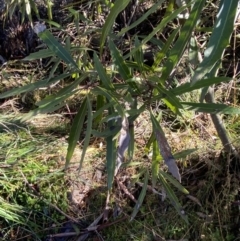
33 86
219 39
88 131
158 28
165 149
43 53
173 198
185 34
187 87
119 5
156 160
57 48
141 196
102 73
108 94
174 182
141 19
211 108
76 131
162 53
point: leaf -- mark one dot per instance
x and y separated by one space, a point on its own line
138 55
165 149
124 140
219 39
156 160
158 28
108 94
174 182
162 53
181 43
141 19
119 5
119 62
188 87
184 153
173 198
102 73
57 48
141 196
211 108
111 159
88 132
41 54
75 131
33 86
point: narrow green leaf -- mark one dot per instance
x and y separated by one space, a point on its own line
173 198
219 39
106 133
181 43
211 108
141 19
162 53
158 28
98 114
57 48
141 196
156 160
187 87
119 62
76 131
138 55
174 182
33 86
88 131
184 153
110 97
102 73
119 5
41 54
69 89
111 160
165 149
193 52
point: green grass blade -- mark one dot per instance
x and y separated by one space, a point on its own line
88 131
102 73
188 87
119 5
76 131
211 108
219 39
57 48
141 196
181 43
